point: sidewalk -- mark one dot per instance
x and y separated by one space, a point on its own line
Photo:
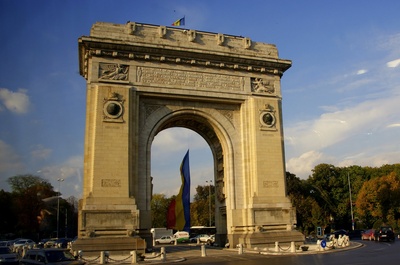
175 254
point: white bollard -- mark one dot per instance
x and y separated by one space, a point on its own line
292 247
102 257
276 246
163 254
240 251
203 251
134 257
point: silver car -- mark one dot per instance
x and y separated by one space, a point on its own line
7 257
49 256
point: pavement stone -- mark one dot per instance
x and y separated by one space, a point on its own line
180 253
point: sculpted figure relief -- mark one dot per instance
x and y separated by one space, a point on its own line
113 71
260 86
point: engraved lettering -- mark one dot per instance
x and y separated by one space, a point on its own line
111 183
270 184
189 79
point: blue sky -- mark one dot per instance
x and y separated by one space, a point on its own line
340 97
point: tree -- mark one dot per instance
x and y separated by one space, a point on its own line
8 218
159 209
28 192
199 209
378 200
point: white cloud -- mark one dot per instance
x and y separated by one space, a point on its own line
331 128
71 171
17 102
10 161
393 64
40 153
393 125
330 135
362 71
10 164
302 165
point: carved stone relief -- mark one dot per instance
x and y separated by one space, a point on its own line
113 71
267 118
259 85
113 108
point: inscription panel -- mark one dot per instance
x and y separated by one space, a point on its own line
272 216
111 183
270 184
200 80
112 219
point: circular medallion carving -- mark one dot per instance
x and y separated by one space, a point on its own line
267 119
113 109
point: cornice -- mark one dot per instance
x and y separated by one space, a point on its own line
129 49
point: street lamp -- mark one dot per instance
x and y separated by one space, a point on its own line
351 203
209 199
58 202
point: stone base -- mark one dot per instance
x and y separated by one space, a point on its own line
268 238
120 245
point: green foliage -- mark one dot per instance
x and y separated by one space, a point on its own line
199 208
324 198
31 209
159 209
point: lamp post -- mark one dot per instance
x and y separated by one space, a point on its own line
351 203
209 199
58 202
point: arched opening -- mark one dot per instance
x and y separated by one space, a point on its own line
181 132
167 151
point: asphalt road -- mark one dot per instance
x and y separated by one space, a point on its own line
371 253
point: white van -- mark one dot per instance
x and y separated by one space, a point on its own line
181 236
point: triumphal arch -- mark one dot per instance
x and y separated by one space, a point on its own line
142 79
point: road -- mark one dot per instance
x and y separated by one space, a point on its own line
371 253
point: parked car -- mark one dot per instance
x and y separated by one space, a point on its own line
49 256
7 257
62 242
355 234
50 243
202 238
6 244
72 242
41 243
211 240
385 233
165 240
368 235
23 243
336 233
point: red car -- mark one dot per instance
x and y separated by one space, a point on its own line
368 234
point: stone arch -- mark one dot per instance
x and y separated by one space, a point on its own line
216 130
144 78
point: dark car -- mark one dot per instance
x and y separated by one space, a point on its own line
62 242
7 257
42 242
337 233
49 256
384 233
355 234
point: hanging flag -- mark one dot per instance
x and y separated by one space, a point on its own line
179 22
178 216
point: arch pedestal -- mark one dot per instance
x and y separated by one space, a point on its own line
142 79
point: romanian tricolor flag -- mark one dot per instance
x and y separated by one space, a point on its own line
179 22
178 216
